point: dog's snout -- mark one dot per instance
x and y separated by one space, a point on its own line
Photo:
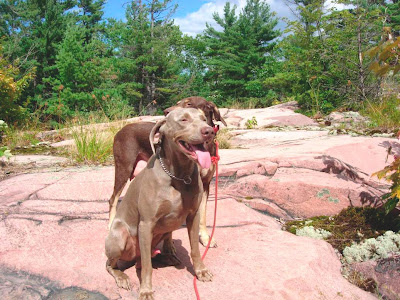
207 132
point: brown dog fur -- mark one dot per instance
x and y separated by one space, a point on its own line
131 145
157 204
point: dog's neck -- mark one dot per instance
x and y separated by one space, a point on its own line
177 162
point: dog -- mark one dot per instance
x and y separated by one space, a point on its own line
162 197
132 150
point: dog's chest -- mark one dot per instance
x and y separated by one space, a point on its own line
172 214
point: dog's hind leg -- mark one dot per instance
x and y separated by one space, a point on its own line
119 244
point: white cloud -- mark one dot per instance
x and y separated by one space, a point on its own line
194 23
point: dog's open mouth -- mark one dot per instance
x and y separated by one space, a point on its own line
198 153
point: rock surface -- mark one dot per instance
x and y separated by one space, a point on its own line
36 160
56 223
302 173
278 115
385 272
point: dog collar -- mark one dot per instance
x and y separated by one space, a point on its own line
186 180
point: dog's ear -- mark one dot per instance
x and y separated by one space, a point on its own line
156 131
217 115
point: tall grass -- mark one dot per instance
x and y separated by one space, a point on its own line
384 114
223 137
91 145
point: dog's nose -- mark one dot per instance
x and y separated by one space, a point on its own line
207 132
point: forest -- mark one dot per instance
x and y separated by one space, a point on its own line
60 59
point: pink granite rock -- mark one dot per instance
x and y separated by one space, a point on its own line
278 115
56 246
310 173
385 272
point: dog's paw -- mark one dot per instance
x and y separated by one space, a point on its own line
146 294
123 281
205 238
204 275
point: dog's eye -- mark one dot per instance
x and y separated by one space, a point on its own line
189 104
184 120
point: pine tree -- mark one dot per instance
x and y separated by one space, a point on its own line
150 50
237 54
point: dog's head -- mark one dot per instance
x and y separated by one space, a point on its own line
188 132
209 108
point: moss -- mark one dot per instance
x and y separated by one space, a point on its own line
351 225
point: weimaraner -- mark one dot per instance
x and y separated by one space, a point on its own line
132 149
163 196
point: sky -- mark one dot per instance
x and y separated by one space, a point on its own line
192 15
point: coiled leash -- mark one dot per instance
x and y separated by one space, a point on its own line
214 160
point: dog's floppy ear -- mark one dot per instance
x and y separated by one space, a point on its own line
217 115
155 131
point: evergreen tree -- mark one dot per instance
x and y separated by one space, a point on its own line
150 51
237 55
92 13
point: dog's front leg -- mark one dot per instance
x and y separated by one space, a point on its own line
192 223
203 234
145 238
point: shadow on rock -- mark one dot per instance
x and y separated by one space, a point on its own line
394 147
336 166
22 285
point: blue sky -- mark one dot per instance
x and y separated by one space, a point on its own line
192 15
116 8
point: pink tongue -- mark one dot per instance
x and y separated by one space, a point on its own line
204 158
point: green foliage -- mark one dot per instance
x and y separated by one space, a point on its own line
251 123
11 87
69 60
386 56
150 52
92 146
236 56
323 57
392 174
384 113
354 224
4 151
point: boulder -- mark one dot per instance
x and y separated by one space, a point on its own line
278 115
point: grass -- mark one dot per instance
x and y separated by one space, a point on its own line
384 114
91 145
17 138
223 137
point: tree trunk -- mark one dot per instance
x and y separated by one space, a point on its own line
361 73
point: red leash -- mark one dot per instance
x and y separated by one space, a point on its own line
214 160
